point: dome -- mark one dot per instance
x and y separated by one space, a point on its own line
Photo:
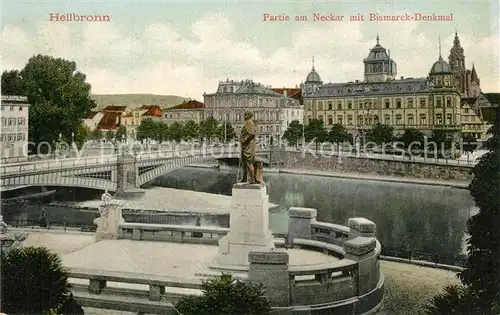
440 67
313 76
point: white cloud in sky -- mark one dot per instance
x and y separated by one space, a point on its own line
162 61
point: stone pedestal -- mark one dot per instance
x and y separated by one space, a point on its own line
248 227
109 221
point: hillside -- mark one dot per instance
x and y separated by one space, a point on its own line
136 99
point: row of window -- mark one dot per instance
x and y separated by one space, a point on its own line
11 108
10 137
397 120
13 121
475 126
369 104
269 129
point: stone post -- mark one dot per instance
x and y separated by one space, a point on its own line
361 227
299 223
271 269
108 224
126 173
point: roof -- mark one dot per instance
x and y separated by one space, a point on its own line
115 108
295 93
91 114
192 104
489 113
150 106
313 76
440 67
109 120
494 98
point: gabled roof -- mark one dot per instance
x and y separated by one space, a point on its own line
150 106
109 120
115 108
91 114
192 104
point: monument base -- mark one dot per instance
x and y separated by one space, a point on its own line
248 228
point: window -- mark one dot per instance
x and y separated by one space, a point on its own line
387 119
387 104
339 119
2 137
410 102
360 120
349 120
422 102
448 102
349 105
423 121
19 136
438 103
12 108
321 118
466 110
410 119
448 119
330 120
398 103
339 106
439 119
399 120
330 106
320 105
20 108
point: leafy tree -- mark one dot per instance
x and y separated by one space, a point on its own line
12 83
33 281
410 136
82 134
176 131
455 300
380 134
162 132
110 135
226 132
191 130
209 128
442 138
293 133
483 264
338 134
96 134
315 131
121 132
148 129
58 95
469 143
70 307
225 295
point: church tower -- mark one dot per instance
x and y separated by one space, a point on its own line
379 66
457 65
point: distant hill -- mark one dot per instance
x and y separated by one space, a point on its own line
133 100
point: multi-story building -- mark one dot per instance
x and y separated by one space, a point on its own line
421 103
291 113
14 127
92 119
132 119
188 110
478 113
233 98
112 117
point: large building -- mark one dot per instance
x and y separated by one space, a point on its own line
421 103
132 119
14 127
233 98
291 113
188 110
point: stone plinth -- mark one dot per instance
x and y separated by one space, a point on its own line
361 227
299 223
109 221
248 227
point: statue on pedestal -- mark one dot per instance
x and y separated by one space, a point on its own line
106 197
252 169
3 226
110 217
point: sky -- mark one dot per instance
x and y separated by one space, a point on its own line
185 48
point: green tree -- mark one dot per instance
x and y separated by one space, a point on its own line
96 134
209 128
469 143
191 130
293 133
82 134
225 295
380 134
12 83
226 132
110 135
482 270
121 132
338 134
411 136
33 281
442 138
162 132
58 94
315 131
148 129
176 131
455 300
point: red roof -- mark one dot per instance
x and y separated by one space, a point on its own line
150 106
110 120
153 111
192 104
295 93
115 108
90 114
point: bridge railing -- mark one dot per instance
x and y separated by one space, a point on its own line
57 164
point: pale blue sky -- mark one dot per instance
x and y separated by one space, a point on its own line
170 47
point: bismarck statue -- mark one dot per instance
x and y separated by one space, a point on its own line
252 168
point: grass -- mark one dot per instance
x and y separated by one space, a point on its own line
409 288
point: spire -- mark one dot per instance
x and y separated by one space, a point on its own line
474 77
440 57
378 39
313 62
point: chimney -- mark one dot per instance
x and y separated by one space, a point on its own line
284 92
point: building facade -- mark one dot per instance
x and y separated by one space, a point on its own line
92 119
133 118
420 103
14 127
188 110
233 98
291 113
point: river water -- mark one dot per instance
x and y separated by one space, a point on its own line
409 217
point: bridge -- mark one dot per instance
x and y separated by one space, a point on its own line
117 172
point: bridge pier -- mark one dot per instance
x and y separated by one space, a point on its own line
127 174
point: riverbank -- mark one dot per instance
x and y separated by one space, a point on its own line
370 177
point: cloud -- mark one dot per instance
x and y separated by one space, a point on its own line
165 60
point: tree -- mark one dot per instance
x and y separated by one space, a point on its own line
455 300
176 131
58 95
315 131
148 129
225 295
338 134
110 135
162 132
96 134
82 134
12 83
410 136
380 134
191 130
482 270
226 132
70 307
293 133
208 128
469 143
33 281
121 132
442 138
